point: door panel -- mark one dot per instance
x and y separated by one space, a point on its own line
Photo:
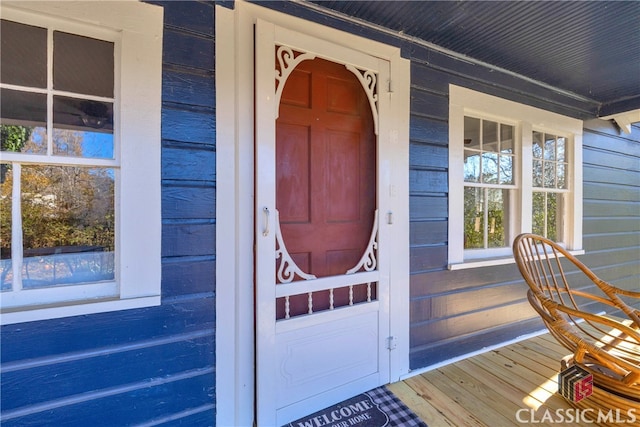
325 166
344 189
293 151
322 297
325 344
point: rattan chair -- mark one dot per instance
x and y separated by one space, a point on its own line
606 346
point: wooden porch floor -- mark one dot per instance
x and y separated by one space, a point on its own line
489 389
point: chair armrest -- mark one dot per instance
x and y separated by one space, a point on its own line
594 334
613 292
625 292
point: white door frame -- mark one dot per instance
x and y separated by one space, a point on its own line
235 348
293 380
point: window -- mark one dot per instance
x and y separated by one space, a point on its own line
489 182
512 169
549 184
80 159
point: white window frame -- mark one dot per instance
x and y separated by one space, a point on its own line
552 191
466 102
136 29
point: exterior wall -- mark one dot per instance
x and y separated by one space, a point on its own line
158 363
612 203
457 312
155 364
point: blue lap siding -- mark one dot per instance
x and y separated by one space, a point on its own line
457 312
156 366
153 365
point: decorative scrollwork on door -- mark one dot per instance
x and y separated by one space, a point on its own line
288 268
369 81
287 62
369 262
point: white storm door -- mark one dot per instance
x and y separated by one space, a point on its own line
322 282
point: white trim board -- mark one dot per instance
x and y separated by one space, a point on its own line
472 354
525 119
136 29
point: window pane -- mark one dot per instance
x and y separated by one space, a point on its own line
506 139
473 218
471 133
24 54
75 244
82 128
537 173
82 64
538 213
549 175
490 168
562 180
6 186
561 145
553 215
506 169
546 210
471 166
550 147
537 145
23 121
497 220
489 136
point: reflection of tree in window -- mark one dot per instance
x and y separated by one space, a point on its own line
545 214
473 218
12 138
549 171
76 202
70 208
57 102
488 168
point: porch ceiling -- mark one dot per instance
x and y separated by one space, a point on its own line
590 49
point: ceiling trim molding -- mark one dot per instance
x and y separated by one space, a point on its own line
625 120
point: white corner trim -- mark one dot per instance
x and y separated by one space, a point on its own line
234 233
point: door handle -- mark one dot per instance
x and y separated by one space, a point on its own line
265 231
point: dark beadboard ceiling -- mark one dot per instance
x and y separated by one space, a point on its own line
588 48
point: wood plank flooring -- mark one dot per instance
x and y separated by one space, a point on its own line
514 385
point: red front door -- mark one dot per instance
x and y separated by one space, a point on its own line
325 176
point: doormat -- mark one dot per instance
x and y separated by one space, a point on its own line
375 408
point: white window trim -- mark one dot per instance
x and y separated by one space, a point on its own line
463 101
138 89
